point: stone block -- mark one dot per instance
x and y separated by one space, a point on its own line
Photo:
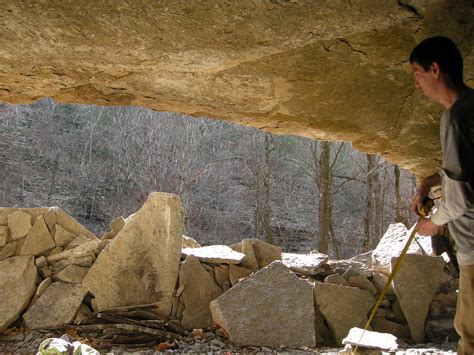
265 253
62 237
270 308
72 274
371 340
19 223
70 224
38 241
50 219
343 307
218 254
141 264
198 290
306 264
57 306
415 286
17 285
237 272
9 250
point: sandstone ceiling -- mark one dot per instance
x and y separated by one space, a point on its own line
326 69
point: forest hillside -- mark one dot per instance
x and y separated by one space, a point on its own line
236 182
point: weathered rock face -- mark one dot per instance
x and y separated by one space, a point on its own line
17 285
343 307
141 264
57 306
199 289
415 286
324 70
258 311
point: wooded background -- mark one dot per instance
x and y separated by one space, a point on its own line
236 182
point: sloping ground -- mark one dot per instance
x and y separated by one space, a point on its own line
329 69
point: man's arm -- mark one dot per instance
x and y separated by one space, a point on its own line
458 197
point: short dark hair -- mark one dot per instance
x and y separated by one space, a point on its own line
443 51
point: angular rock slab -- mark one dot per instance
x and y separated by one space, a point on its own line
199 289
306 264
62 237
372 340
265 253
38 241
19 223
270 308
246 247
141 264
415 286
391 245
219 254
17 285
343 307
57 306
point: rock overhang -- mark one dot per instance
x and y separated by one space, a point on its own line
331 70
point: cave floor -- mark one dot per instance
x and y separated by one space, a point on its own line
210 343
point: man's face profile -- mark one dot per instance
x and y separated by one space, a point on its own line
425 81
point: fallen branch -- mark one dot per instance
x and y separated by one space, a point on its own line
129 308
122 320
139 314
129 327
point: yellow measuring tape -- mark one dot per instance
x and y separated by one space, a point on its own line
427 205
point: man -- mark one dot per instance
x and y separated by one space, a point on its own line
438 70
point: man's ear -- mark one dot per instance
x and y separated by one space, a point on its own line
435 70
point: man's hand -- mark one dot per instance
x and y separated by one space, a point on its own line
426 228
423 190
417 202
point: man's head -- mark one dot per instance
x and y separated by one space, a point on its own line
435 59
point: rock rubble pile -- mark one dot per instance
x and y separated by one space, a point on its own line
53 273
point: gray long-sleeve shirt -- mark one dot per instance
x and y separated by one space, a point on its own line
457 205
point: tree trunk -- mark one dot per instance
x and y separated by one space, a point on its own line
325 196
368 218
257 207
266 189
398 212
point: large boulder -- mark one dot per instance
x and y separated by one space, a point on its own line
415 286
17 285
270 308
343 307
140 265
392 244
57 306
198 290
